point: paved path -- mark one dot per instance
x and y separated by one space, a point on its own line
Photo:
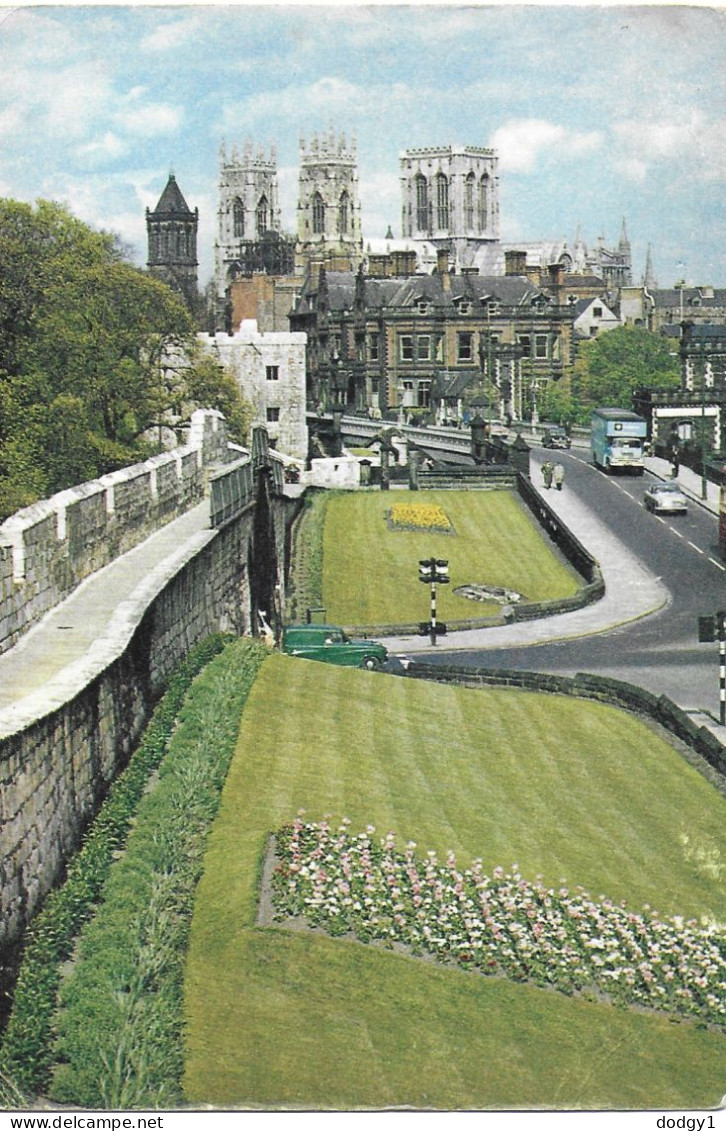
81 635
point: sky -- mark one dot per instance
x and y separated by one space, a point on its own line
599 114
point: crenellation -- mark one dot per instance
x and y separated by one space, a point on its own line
48 548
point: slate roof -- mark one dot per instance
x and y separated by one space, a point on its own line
172 200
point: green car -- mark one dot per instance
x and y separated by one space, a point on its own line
329 643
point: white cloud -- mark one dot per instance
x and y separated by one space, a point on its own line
690 143
522 143
172 35
105 147
152 120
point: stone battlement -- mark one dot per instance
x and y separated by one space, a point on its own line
50 547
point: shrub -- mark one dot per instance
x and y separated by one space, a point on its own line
26 1050
120 1021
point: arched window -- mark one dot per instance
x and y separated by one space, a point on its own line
484 203
262 216
442 201
238 219
343 206
422 203
469 184
318 214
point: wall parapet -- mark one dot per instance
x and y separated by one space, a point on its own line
617 693
50 547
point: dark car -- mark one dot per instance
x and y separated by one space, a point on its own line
329 643
555 436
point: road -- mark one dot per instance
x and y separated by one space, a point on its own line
661 652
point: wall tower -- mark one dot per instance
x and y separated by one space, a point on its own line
171 231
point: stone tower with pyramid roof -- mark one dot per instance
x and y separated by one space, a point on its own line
172 240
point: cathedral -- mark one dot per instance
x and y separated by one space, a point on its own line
449 203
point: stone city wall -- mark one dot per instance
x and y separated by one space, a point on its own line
56 763
47 549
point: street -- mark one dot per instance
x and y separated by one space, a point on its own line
660 652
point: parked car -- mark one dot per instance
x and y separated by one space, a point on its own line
555 436
665 497
329 643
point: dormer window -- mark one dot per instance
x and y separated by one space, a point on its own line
423 306
464 306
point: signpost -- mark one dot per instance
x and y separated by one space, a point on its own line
431 571
710 629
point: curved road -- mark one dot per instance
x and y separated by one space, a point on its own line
660 652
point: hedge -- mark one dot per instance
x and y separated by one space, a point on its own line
27 1052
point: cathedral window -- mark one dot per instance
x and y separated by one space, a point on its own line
318 214
238 219
442 201
262 216
484 203
422 203
469 202
343 213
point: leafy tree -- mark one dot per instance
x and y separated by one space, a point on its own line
556 405
85 339
610 367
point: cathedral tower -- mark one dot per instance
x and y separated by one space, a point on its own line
248 211
171 231
328 211
450 196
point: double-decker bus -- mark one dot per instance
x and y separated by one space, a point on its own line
617 437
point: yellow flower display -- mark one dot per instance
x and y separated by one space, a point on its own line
419 516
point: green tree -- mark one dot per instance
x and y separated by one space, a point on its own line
85 339
610 367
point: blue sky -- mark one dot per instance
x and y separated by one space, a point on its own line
597 113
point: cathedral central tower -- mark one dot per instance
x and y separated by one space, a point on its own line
450 195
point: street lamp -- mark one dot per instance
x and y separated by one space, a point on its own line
704 482
432 571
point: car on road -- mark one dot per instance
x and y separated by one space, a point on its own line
665 497
555 436
328 642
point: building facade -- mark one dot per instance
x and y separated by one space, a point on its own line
171 231
402 344
270 371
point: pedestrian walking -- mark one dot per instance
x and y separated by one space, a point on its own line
559 476
547 470
676 463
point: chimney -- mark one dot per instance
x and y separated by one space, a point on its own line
515 262
442 268
557 274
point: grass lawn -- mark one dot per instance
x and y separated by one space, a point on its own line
370 573
570 790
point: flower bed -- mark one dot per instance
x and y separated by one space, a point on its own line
428 517
498 924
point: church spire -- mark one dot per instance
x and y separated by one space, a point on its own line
649 279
